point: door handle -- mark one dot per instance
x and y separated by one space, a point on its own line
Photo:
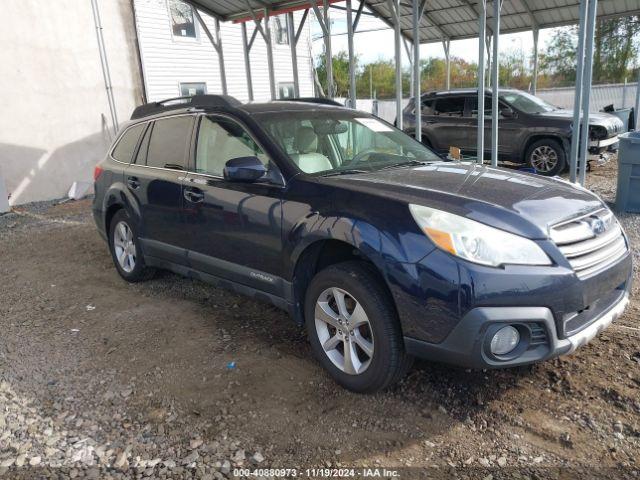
133 182
193 195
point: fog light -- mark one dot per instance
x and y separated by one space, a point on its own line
505 340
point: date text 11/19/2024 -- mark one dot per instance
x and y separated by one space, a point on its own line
316 472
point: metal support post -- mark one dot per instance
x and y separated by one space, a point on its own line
534 80
394 6
417 96
482 24
637 107
247 63
293 45
447 57
586 88
495 81
352 63
577 101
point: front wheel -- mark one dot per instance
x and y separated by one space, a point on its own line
547 157
353 328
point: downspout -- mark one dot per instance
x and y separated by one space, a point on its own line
105 65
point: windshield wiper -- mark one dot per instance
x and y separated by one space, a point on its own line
348 171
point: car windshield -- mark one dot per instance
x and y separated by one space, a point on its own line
334 142
527 103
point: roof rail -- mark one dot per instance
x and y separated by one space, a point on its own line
195 101
318 100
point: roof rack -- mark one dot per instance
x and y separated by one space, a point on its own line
195 101
318 100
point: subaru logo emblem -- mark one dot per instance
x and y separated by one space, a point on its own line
597 226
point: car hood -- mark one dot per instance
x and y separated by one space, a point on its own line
602 119
522 203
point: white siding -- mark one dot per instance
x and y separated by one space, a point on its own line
169 61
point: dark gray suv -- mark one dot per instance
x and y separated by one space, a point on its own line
531 130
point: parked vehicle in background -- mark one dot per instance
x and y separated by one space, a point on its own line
379 247
532 131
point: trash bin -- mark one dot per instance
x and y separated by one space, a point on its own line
628 191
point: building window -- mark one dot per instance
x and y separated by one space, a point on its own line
191 89
280 30
286 90
182 19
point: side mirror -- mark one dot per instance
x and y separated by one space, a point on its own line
244 169
508 113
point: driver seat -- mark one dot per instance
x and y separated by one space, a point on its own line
308 159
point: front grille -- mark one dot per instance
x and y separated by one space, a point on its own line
590 243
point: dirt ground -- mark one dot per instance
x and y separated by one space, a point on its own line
174 378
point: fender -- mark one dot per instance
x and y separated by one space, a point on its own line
374 243
558 134
119 194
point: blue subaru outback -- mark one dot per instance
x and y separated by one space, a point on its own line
379 247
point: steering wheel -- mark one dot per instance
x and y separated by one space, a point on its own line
357 158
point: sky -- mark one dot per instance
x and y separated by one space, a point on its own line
379 43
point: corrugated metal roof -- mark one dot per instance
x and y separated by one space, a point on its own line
445 19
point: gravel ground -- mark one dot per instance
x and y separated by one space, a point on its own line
176 379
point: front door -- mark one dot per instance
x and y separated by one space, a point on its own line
233 230
155 178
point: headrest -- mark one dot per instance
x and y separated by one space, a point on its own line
306 140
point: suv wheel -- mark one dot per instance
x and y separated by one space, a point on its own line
354 329
547 157
125 249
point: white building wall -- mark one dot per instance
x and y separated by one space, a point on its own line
55 123
168 61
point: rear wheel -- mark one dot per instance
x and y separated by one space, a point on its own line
125 249
354 329
547 157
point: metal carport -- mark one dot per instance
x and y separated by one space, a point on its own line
428 21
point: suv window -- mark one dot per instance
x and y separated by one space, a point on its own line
427 107
141 156
450 106
220 140
168 142
473 106
127 144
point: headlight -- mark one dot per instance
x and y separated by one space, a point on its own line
475 241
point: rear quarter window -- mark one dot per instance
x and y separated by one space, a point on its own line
125 147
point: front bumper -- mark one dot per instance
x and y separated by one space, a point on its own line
468 343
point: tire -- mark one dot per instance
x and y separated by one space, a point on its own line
133 269
546 157
364 292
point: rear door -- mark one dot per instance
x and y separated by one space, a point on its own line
233 230
446 121
155 179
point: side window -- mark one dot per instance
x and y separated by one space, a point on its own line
141 156
168 142
450 107
427 107
220 140
473 106
127 144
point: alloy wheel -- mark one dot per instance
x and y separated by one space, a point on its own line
344 331
124 246
544 159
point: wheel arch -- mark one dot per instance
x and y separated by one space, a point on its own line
119 198
322 253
